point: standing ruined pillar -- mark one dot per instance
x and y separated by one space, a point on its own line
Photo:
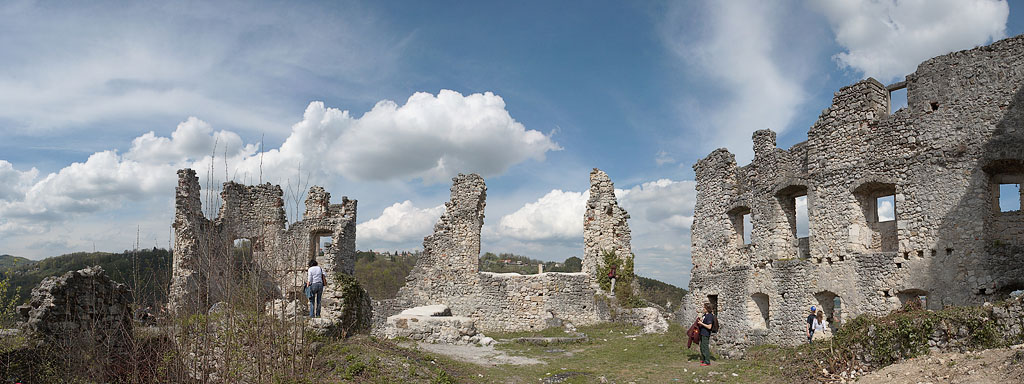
187 277
605 227
447 273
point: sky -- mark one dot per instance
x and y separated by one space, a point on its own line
385 102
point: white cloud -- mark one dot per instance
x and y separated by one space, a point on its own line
114 63
435 137
886 211
558 215
663 158
661 213
887 39
747 57
14 183
401 224
449 134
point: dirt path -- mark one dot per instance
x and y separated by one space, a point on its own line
1002 365
484 355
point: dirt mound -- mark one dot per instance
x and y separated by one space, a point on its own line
1000 365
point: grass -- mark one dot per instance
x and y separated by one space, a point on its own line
617 353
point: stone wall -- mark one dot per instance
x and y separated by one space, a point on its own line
448 274
81 309
605 227
940 159
206 269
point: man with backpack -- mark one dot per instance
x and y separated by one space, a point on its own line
708 324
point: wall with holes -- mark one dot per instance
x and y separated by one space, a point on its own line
901 205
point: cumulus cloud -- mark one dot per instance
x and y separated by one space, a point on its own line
556 215
661 213
435 137
429 137
401 224
887 39
747 56
14 183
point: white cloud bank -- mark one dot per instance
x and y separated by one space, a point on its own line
401 225
661 213
429 137
887 39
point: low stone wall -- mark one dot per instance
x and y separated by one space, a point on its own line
532 302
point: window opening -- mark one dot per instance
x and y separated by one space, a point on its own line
742 225
1009 197
321 243
886 208
747 226
802 220
897 96
713 299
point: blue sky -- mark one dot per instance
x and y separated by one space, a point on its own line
385 101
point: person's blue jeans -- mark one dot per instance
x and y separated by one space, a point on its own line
316 290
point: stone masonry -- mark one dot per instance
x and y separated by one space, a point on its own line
448 272
81 309
605 227
941 161
205 269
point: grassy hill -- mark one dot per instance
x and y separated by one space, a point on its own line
9 261
146 271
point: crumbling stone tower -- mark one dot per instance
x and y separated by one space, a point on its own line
605 227
939 164
205 268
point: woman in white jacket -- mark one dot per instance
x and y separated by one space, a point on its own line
820 326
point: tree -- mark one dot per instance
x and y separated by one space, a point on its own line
573 264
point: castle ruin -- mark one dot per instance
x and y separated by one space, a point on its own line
205 264
940 164
448 272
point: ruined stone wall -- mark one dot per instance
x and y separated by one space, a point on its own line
605 227
81 309
206 270
941 158
448 273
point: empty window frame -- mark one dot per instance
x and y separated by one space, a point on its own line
885 208
319 244
1009 197
742 224
793 200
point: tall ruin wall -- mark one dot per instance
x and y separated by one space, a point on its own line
205 267
941 159
448 273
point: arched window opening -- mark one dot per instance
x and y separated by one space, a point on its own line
831 305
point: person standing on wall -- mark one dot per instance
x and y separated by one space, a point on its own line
315 280
705 322
611 275
810 325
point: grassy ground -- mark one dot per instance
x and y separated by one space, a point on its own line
617 353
